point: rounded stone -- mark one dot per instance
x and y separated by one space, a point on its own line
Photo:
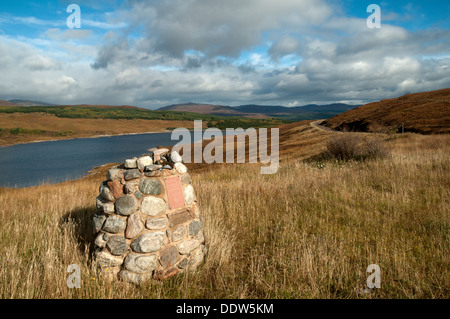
178 233
130 163
180 167
185 247
114 174
196 258
195 227
144 161
106 193
140 264
186 179
150 186
99 241
117 245
105 259
189 194
148 243
153 206
97 222
156 223
114 224
175 156
134 226
132 174
168 257
126 205
104 206
130 187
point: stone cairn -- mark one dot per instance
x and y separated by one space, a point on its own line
148 223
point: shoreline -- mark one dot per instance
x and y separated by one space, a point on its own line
74 138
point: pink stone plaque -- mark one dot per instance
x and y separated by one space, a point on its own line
175 192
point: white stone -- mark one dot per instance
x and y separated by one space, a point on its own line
107 207
189 194
185 247
180 167
161 151
153 206
144 161
133 278
131 163
176 158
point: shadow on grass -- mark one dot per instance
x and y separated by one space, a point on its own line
81 218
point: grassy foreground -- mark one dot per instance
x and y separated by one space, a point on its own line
309 231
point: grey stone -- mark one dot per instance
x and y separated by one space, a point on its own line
167 167
138 194
131 163
136 279
168 257
150 186
97 222
148 243
189 194
140 264
178 233
144 161
104 206
99 241
201 237
175 157
185 247
180 167
130 187
186 178
153 167
106 193
117 245
156 223
126 205
153 206
134 226
105 259
114 173
183 263
132 174
195 227
114 224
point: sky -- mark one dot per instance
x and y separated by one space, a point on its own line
230 52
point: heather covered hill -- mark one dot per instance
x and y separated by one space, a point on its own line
425 112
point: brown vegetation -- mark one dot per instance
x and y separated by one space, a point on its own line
309 231
426 112
52 125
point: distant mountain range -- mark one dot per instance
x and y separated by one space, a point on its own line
311 111
263 111
17 102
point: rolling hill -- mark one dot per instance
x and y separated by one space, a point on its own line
311 111
425 112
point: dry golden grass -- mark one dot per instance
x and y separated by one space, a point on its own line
309 231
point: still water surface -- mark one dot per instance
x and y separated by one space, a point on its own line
32 164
